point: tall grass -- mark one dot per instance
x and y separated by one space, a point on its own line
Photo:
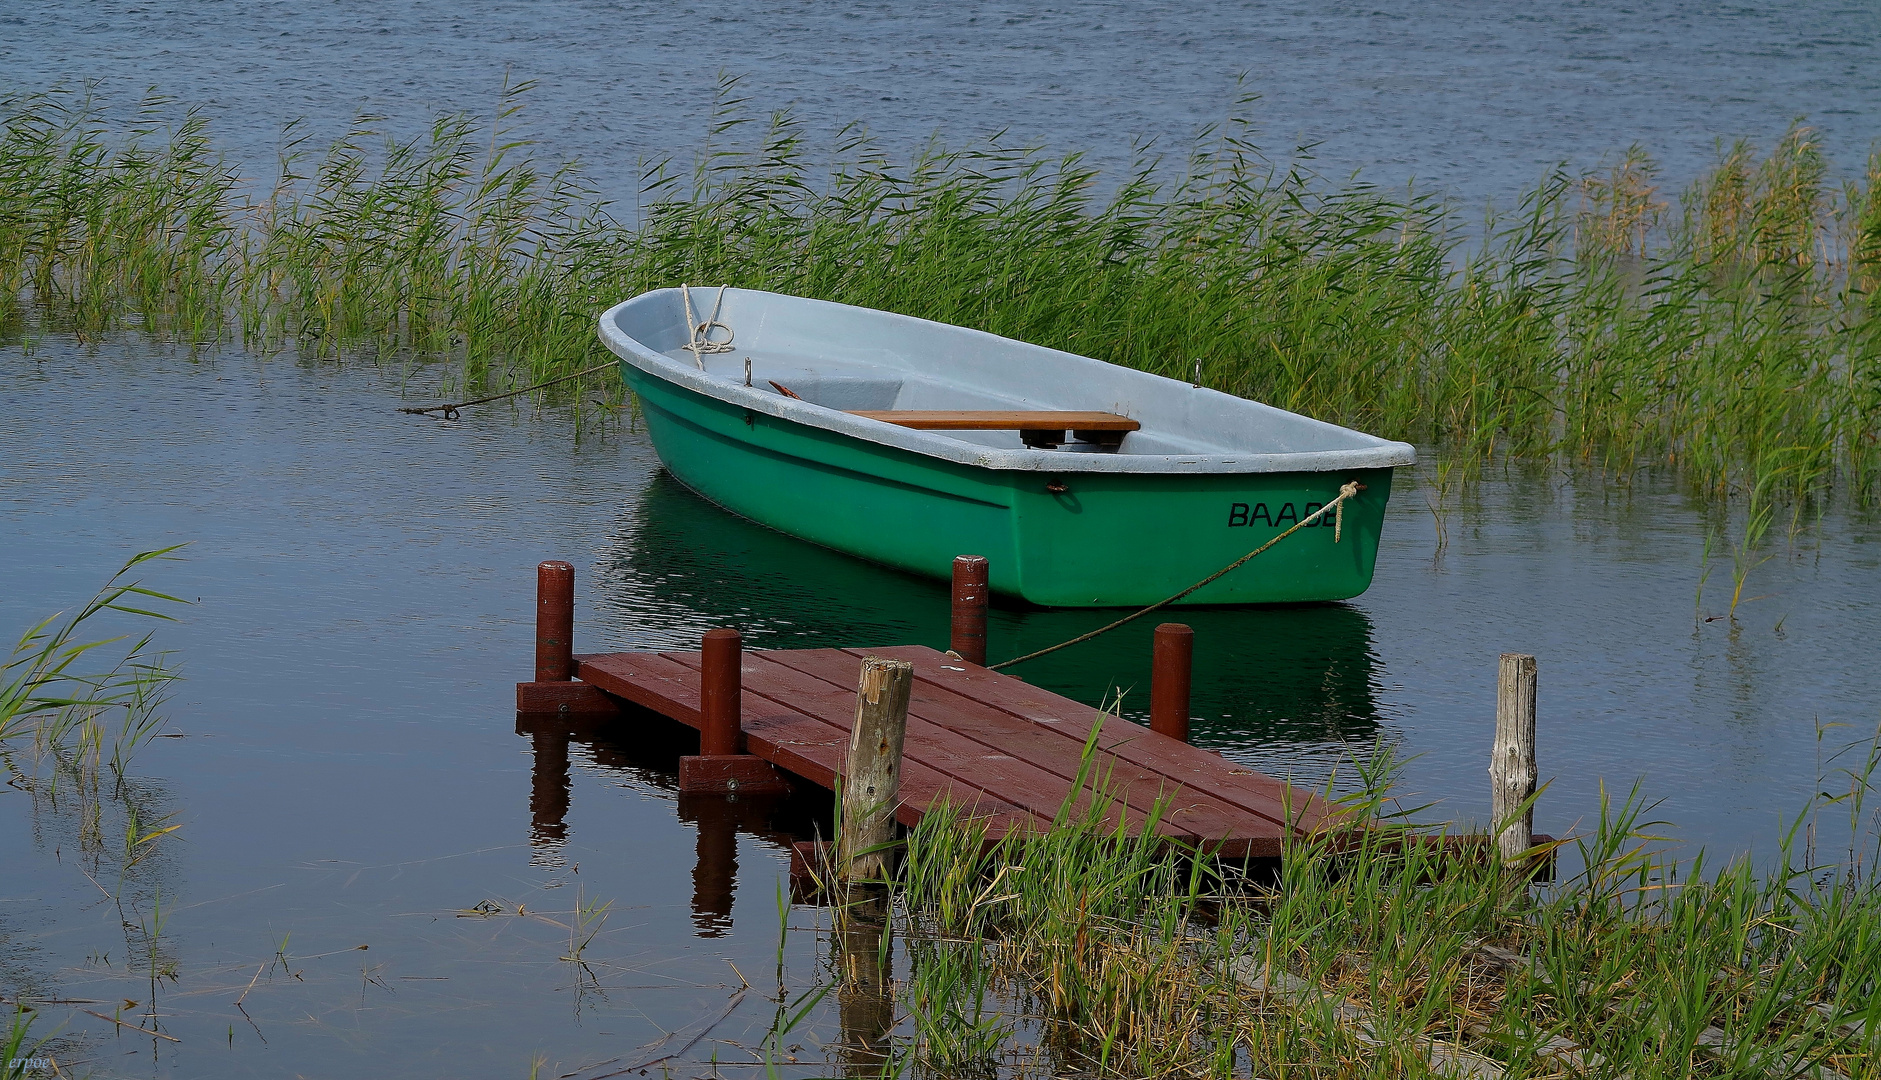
1094 951
1729 331
55 704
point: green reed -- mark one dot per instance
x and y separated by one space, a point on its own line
75 709
1094 951
1599 321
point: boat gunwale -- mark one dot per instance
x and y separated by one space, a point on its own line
1383 454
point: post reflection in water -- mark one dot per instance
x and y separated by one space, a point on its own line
865 999
719 819
1298 682
548 795
645 748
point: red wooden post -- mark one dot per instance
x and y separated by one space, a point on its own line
721 728
555 621
971 594
1169 680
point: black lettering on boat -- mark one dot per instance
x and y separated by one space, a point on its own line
1286 516
1237 515
1260 514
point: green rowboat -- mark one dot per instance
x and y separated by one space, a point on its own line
908 442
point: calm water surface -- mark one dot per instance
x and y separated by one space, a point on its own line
1476 97
350 774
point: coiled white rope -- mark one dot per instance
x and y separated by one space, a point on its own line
700 333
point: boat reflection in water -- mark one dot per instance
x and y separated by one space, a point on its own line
1271 683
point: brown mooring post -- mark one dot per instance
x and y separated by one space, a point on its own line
1512 763
1171 668
971 595
722 765
872 777
555 621
721 730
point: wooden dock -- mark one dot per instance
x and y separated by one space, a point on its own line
988 743
991 745
1004 752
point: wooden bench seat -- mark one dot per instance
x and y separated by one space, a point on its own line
1040 429
980 420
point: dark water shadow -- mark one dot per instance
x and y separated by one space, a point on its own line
1265 677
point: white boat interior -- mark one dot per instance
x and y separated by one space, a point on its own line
837 359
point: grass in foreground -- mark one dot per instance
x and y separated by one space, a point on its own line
1731 332
1089 952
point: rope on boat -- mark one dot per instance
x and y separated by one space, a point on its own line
449 412
700 333
701 343
1348 491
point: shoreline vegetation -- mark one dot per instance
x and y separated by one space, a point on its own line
1089 951
1729 331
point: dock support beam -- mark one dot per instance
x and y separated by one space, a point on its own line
1171 667
971 596
721 764
1512 765
555 621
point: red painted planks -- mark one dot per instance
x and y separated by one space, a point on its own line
994 770
1203 770
978 738
1059 747
800 741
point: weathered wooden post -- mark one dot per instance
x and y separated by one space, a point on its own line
722 764
1171 665
555 621
1512 764
721 729
872 778
871 795
971 595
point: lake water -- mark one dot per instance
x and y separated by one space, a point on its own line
1477 98
349 772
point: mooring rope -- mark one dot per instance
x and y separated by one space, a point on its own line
450 411
700 333
1349 491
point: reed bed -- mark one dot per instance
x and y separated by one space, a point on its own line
1093 952
1729 331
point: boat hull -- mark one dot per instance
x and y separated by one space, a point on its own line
1106 539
